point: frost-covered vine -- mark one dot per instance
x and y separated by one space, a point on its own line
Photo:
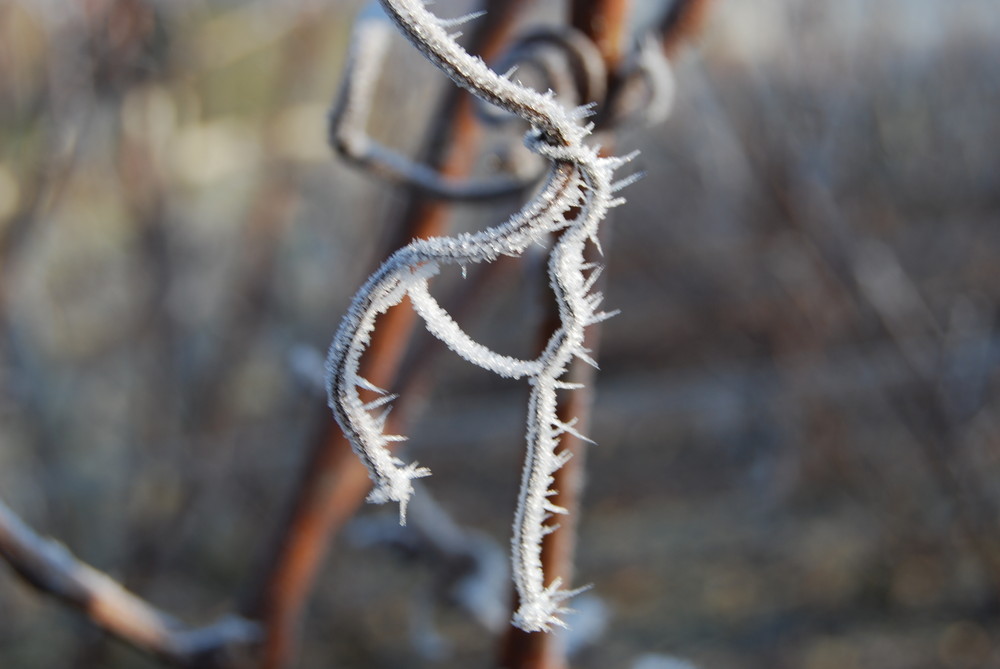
575 196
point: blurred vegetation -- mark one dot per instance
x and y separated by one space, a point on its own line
797 414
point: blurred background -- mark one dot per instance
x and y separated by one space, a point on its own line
797 414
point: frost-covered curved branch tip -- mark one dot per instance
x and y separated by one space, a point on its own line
352 109
575 197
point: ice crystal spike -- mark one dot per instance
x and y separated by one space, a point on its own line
368 385
583 111
460 20
602 316
568 427
375 404
627 181
381 419
593 300
617 161
595 240
563 458
555 508
583 355
592 278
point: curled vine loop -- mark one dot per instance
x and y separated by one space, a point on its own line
575 197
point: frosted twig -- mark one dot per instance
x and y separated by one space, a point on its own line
352 109
575 197
569 63
646 93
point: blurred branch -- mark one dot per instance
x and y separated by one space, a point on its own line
200 392
924 408
869 276
52 569
469 568
639 84
207 406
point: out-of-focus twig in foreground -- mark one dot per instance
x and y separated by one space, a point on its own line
52 569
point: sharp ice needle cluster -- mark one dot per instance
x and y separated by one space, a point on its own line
575 197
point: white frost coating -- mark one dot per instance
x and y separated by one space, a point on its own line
355 98
442 326
579 178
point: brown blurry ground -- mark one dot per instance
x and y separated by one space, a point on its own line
797 410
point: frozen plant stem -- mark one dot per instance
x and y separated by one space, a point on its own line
575 197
